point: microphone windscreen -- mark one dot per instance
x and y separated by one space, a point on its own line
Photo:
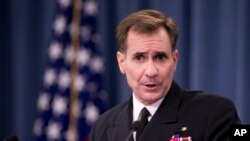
135 125
11 138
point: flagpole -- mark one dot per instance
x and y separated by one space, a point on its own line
75 44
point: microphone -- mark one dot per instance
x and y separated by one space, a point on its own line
11 138
135 125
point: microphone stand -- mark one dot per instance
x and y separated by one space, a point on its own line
135 125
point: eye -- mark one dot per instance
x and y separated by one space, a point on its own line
161 57
139 57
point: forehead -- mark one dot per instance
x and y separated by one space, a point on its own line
158 41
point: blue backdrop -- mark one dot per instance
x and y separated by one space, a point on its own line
213 45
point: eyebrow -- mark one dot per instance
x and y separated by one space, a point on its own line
157 53
138 54
161 53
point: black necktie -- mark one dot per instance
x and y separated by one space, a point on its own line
143 118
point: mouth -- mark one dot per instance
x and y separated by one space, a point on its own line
151 87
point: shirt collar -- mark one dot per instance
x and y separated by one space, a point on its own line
137 107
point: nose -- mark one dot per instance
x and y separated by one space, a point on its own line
151 70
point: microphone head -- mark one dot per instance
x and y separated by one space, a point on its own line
11 138
135 125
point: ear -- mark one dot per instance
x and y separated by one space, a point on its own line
120 59
175 58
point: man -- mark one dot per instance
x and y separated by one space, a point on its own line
147 56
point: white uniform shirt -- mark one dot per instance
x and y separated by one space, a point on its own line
137 107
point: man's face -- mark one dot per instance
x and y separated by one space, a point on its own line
149 64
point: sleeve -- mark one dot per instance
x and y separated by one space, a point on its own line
98 132
222 115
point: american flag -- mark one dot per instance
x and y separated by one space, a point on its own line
72 97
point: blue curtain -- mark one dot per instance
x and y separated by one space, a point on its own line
24 38
213 45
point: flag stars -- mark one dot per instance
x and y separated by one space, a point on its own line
83 57
43 102
49 77
96 38
60 25
86 32
91 113
59 105
55 51
92 87
38 127
64 79
64 3
90 8
53 131
96 65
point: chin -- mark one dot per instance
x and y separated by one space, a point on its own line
150 100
